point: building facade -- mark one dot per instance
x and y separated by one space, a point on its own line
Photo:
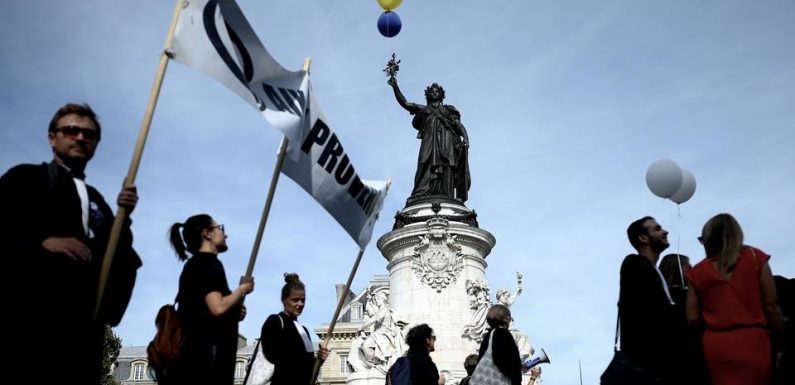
132 366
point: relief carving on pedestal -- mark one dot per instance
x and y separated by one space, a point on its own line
437 260
479 301
380 340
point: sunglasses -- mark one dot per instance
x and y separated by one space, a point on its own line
220 227
72 132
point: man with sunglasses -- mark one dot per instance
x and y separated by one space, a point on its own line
645 339
55 229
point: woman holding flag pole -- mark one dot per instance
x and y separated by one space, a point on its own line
208 311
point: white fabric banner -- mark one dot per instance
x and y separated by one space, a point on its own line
214 37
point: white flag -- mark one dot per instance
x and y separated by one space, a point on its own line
214 37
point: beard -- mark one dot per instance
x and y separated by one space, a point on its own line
659 245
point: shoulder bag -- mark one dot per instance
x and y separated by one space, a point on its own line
487 373
260 370
622 371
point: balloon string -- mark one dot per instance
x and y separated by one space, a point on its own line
387 46
323 29
678 241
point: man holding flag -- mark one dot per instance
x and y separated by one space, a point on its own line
55 229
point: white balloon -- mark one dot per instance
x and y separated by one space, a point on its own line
664 178
687 189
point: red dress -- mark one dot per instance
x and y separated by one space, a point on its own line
736 343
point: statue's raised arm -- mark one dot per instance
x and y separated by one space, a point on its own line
392 68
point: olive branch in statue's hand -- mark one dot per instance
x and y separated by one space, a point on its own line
392 68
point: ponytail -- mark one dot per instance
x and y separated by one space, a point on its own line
191 239
176 241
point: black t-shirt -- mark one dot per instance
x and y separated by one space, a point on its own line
203 273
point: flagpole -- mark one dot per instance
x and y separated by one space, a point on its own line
340 303
267 209
277 168
121 213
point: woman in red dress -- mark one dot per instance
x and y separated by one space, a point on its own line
732 291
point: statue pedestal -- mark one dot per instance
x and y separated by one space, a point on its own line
434 249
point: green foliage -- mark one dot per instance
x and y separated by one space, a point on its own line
110 350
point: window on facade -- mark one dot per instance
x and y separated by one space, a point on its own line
344 363
356 311
240 369
139 371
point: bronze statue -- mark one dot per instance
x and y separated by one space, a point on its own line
442 165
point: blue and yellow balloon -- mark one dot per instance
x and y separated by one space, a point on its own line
389 23
389 5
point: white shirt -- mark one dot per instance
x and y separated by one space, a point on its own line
305 337
82 191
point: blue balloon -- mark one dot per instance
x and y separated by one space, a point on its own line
389 24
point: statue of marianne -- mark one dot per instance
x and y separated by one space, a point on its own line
442 165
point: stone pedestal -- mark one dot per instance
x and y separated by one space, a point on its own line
435 248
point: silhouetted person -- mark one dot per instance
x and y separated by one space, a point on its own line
687 365
732 292
646 310
208 310
285 342
469 365
54 228
785 288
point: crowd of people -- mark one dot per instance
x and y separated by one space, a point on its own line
717 322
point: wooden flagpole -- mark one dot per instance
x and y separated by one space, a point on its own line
121 213
269 200
340 303
267 209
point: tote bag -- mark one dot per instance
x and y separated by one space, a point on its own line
260 370
487 373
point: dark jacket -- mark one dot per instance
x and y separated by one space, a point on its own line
504 352
56 305
647 316
284 347
423 369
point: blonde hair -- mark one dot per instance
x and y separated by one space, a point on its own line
723 238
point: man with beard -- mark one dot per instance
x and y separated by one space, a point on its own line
646 311
54 229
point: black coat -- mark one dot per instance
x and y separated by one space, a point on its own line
52 295
648 321
284 347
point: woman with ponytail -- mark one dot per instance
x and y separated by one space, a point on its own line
733 294
285 342
208 310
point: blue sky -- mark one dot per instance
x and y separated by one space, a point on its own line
567 103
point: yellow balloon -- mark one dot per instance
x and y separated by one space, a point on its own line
389 5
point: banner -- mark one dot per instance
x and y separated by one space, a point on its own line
214 37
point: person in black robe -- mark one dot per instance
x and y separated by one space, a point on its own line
55 228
